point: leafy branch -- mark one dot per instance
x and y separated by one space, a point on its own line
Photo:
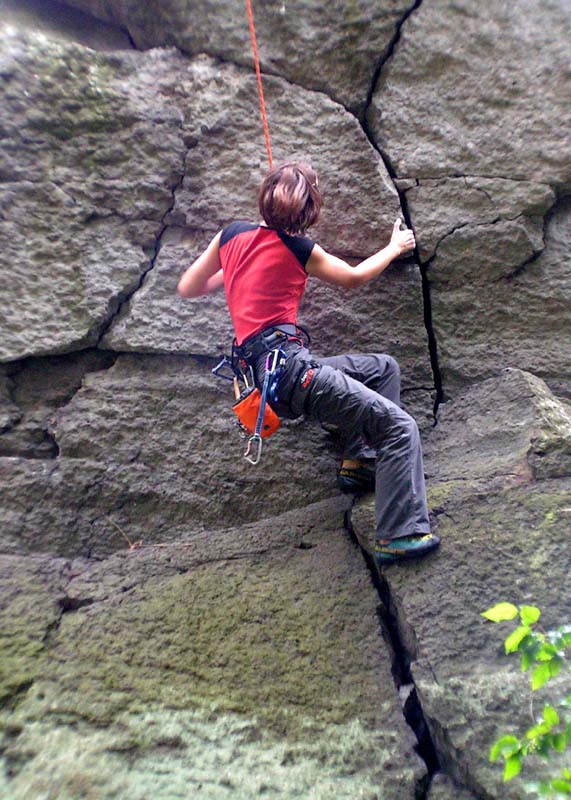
543 654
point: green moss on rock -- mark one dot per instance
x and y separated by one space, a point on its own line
239 637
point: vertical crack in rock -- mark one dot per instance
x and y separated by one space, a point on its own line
404 682
427 304
454 764
386 56
122 299
423 269
428 322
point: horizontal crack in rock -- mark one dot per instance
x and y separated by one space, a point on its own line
38 387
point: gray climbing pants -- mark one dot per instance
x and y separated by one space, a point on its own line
359 395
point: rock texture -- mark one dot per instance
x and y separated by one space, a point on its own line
35 388
173 620
332 47
90 166
490 94
500 482
249 660
472 113
149 449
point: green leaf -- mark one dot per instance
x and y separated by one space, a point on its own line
504 746
537 731
559 742
515 638
540 675
529 614
555 667
526 661
501 612
512 768
550 715
561 786
546 652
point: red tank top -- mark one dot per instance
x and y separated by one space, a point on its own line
264 276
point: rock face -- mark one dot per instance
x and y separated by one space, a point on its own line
331 47
472 112
249 659
149 449
500 482
91 169
485 93
174 620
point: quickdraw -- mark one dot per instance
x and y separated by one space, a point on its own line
274 363
254 414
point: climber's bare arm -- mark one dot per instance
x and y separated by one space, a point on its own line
334 270
204 275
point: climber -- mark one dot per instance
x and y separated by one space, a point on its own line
264 270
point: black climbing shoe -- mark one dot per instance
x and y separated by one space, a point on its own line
388 551
354 477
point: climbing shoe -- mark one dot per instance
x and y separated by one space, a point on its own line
354 477
388 551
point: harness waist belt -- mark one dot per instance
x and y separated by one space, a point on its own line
265 340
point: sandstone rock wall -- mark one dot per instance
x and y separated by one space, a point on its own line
172 617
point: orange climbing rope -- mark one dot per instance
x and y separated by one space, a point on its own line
259 77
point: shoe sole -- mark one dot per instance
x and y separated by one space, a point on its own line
383 559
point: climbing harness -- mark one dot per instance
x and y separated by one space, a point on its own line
255 415
259 79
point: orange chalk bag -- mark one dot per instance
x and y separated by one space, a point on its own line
247 408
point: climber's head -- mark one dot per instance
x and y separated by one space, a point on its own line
289 197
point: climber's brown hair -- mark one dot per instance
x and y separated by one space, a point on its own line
289 197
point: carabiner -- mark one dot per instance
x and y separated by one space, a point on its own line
271 370
255 438
222 365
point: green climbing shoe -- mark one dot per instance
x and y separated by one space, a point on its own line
388 551
354 477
